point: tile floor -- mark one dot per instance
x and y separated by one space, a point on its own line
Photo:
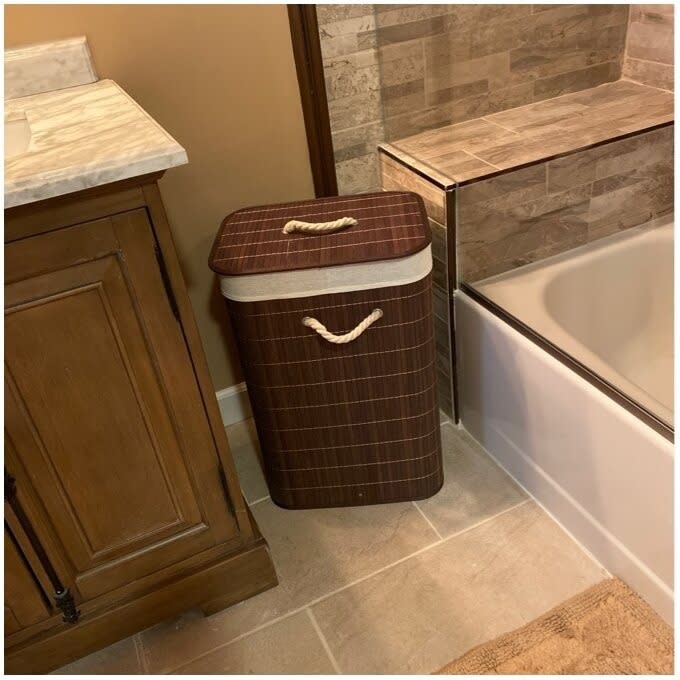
400 588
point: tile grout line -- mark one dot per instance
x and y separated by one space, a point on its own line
628 79
352 128
427 519
321 598
479 158
308 605
651 61
500 125
627 38
259 500
569 534
238 638
324 642
488 519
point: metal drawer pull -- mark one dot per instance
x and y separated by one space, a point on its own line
312 323
318 227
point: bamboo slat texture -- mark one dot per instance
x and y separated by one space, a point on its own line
251 241
348 424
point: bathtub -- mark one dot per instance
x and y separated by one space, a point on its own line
594 464
609 305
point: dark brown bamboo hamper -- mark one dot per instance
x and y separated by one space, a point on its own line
339 424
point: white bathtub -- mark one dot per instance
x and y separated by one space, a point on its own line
609 305
604 474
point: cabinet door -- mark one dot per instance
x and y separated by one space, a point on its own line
102 409
24 602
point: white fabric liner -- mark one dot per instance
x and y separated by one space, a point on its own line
325 280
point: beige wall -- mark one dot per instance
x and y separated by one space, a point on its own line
221 79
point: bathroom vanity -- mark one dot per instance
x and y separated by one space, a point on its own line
122 505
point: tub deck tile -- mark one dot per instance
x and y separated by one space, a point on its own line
501 141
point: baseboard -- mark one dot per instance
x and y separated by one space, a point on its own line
234 404
576 521
603 474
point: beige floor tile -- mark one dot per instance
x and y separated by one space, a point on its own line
427 610
315 552
246 451
291 646
474 486
119 658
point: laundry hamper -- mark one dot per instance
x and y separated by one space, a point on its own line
331 305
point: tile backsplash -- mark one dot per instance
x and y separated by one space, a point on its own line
395 70
649 48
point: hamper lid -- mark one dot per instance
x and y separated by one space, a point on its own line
389 225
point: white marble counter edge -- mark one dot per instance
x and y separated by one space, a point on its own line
32 191
63 181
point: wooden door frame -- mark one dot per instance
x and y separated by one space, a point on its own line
304 33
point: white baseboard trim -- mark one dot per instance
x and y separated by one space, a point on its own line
584 529
602 474
234 404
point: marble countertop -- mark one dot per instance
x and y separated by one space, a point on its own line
82 137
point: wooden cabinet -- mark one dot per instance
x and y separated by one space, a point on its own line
124 481
25 603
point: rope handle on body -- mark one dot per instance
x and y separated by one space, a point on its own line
318 227
317 326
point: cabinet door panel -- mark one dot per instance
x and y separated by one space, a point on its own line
24 602
105 441
128 481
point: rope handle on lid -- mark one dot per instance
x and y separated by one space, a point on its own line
318 227
317 326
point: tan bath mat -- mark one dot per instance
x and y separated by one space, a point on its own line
605 630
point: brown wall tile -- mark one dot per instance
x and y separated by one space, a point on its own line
535 9
357 141
395 176
649 49
357 109
439 245
439 274
403 98
440 303
652 42
570 171
443 364
341 36
419 67
358 175
455 92
574 81
632 153
401 63
507 221
386 35
326 14
508 189
585 20
540 59
394 15
649 72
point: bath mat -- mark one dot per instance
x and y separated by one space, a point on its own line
605 630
